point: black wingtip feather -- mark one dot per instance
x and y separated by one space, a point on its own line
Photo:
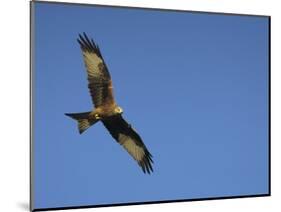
142 167
145 164
150 166
81 44
91 44
150 157
85 45
88 45
147 167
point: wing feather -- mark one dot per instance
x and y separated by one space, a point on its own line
99 80
126 136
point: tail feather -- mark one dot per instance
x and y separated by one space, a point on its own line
83 120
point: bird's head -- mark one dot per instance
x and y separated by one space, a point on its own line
118 110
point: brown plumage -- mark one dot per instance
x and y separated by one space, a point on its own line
106 109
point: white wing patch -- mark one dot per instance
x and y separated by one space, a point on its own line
132 148
92 62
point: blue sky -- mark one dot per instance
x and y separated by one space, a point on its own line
194 85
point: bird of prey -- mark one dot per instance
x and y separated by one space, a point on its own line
105 108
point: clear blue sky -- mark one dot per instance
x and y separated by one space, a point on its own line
195 86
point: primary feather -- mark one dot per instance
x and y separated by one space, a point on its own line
99 80
125 135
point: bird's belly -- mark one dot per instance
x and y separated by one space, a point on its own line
102 113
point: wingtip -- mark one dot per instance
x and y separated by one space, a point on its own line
86 43
80 36
80 41
67 114
146 167
147 171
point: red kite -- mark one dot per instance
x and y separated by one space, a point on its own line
106 109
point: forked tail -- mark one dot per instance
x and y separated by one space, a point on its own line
83 120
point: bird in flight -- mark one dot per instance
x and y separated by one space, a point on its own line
105 108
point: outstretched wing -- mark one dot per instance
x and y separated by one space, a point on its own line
130 140
99 81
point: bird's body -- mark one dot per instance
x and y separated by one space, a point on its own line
106 109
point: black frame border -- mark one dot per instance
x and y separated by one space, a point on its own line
31 121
